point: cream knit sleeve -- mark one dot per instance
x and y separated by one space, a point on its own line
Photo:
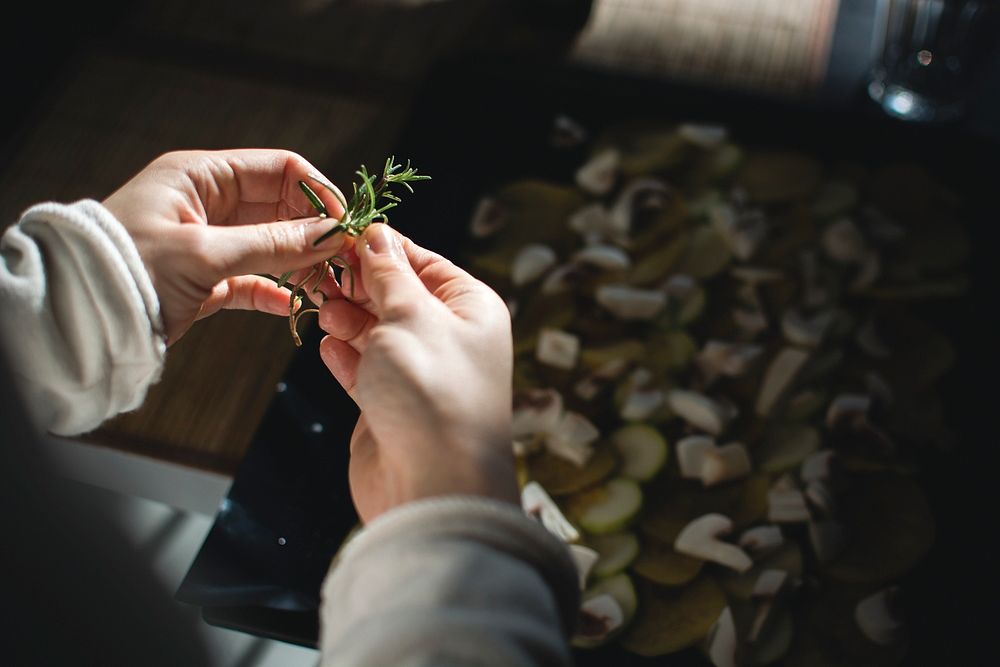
80 319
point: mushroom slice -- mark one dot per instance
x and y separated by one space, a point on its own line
722 642
848 410
572 438
599 617
780 375
699 410
557 348
594 222
761 540
488 218
770 583
566 132
786 506
630 303
819 496
537 503
700 539
560 279
530 263
641 193
724 463
806 331
843 242
729 359
691 453
744 231
603 256
584 558
817 466
703 135
640 404
876 616
598 175
828 539
536 411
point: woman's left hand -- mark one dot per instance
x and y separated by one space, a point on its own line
207 223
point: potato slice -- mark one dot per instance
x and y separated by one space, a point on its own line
673 619
560 477
616 552
671 350
743 501
787 558
656 266
786 447
620 588
771 178
607 508
707 253
642 449
660 563
775 639
891 529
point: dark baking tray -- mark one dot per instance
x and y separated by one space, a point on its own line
481 122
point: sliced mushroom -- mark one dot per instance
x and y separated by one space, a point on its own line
598 175
488 218
843 242
702 135
530 263
594 222
877 617
536 411
640 404
818 466
699 410
572 438
630 303
786 506
848 410
603 256
722 464
770 583
761 540
828 538
806 331
718 358
640 194
780 375
566 132
584 558
691 452
560 279
557 348
537 503
819 496
744 231
600 616
723 644
700 539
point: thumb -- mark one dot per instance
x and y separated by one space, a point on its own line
392 285
273 247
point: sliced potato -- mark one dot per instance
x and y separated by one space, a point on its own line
891 529
607 508
620 588
560 477
642 449
671 350
787 558
660 563
671 619
775 639
785 447
616 552
707 253
656 266
743 501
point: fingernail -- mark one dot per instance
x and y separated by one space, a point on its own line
379 239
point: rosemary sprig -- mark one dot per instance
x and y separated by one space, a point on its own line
369 202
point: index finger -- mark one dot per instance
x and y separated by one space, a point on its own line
255 185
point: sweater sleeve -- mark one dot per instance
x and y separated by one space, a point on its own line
447 582
81 320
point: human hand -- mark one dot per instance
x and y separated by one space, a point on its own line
205 222
425 350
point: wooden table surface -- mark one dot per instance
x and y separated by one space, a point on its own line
215 75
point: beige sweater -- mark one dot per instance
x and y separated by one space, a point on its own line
446 581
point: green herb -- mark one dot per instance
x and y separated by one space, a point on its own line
369 202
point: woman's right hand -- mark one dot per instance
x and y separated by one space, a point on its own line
425 350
